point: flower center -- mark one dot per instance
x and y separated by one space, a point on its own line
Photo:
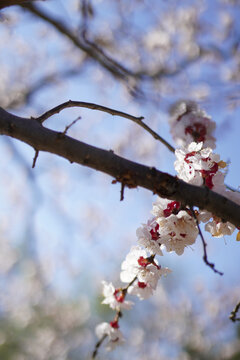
114 324
119 296
198 131
141 284
154 232
172 208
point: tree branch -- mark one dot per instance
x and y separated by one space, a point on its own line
97 53
137 120
98 344
107 62
233 315
26 92
6 3
133 174
205 257
92 106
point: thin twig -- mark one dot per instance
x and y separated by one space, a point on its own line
205 258
128 285
233 315
92 106
98 344
35 158
122 191
83 104
71 124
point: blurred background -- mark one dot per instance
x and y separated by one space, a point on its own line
63 228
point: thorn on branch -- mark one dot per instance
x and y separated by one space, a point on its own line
35 158
205 257
233 315
125 180
122 191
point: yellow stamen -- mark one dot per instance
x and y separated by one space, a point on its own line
222 164
238 236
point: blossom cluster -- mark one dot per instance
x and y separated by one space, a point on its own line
189 123
173 226
141 272
197 164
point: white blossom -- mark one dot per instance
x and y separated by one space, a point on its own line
130 266
137 264
219 229
216 227
177 231
189 123
204 216
197 165
141 289
148 236
115 336
165 207
115 297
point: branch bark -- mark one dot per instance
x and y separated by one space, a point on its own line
127 172
6 3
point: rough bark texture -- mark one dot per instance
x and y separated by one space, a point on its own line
129 173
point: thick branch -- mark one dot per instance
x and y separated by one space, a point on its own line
132 174
6 3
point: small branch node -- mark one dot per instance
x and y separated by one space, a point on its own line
126 179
